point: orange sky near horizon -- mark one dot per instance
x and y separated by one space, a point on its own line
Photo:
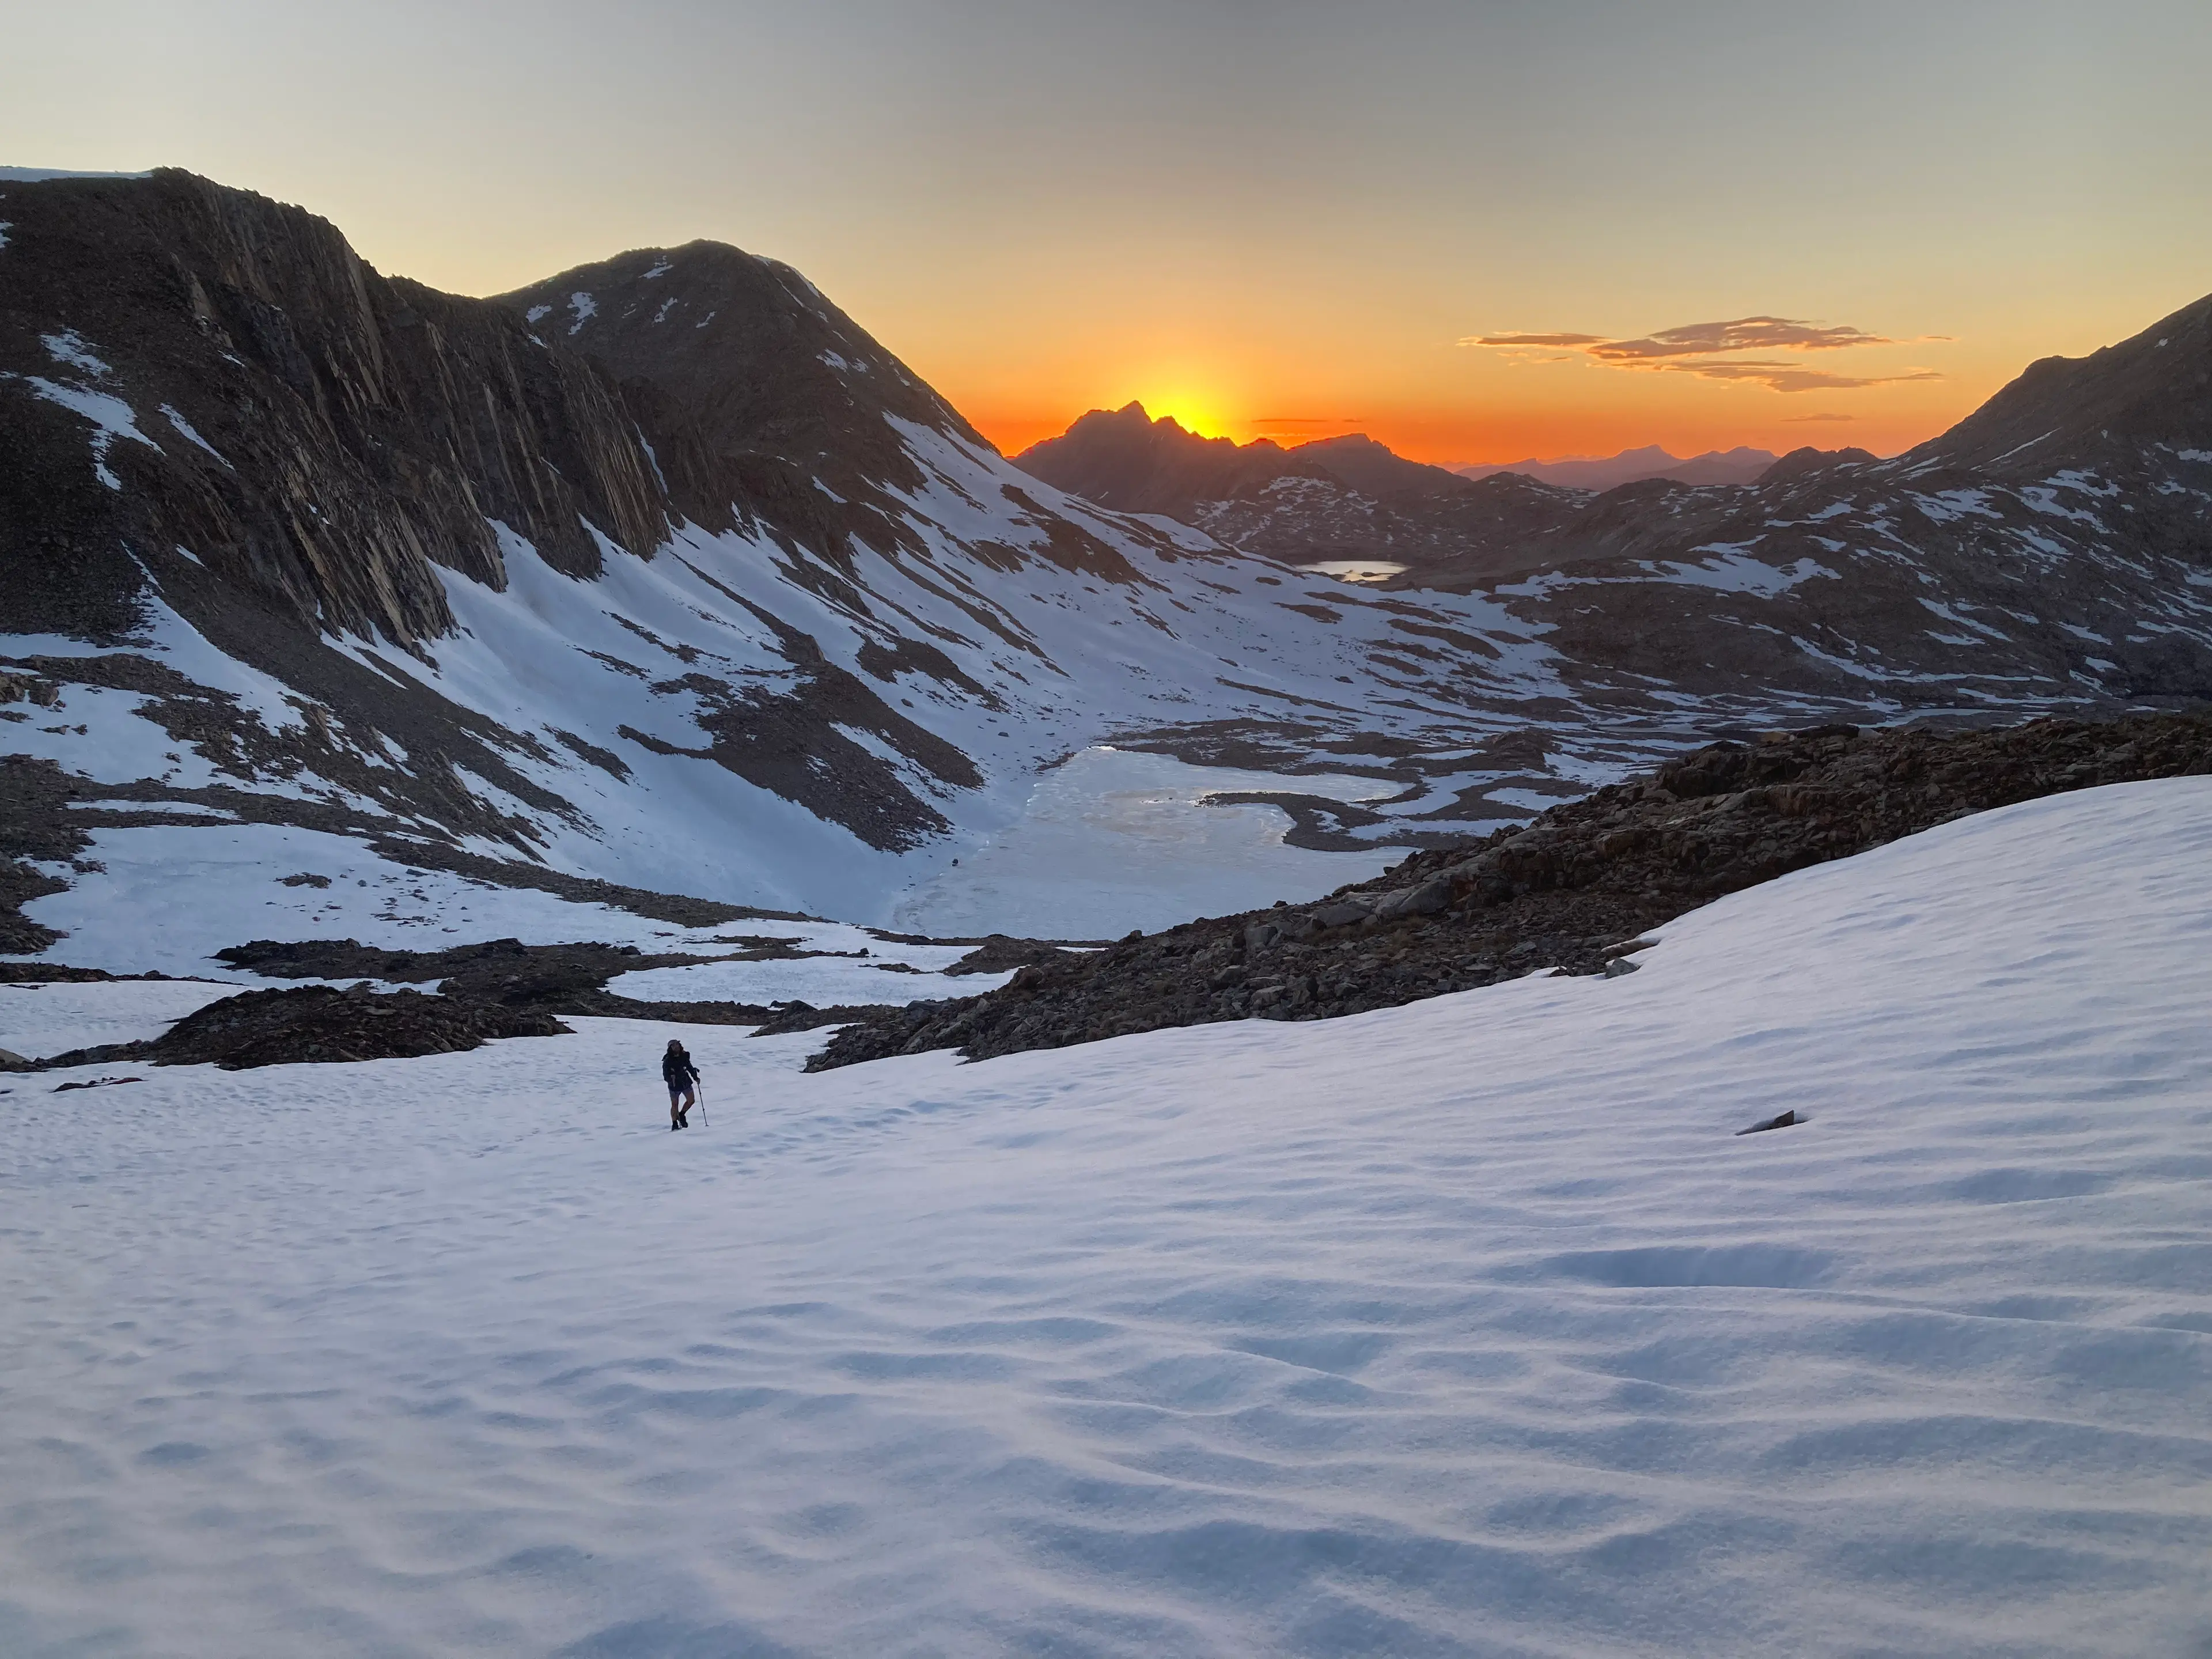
1277 221
1490 409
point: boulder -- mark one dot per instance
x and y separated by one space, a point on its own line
1345 912
1425 900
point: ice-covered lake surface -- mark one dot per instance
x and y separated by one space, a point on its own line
1110 840
1356 570
1470 1327
1113 839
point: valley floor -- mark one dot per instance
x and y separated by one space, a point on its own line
1467 1328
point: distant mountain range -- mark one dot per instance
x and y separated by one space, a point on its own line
1715 466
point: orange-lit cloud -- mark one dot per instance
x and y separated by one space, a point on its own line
1698 349
1788 377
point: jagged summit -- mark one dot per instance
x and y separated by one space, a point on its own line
1344 497
1808 458
1125 460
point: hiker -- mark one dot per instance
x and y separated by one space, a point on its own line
683 1079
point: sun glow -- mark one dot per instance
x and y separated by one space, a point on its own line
1194 412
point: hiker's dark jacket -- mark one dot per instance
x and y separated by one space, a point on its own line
677 1069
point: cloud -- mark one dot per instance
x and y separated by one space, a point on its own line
1793 420
1788 377
1706 350
1744 334
1533 340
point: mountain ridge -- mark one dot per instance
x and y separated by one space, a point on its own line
1742 464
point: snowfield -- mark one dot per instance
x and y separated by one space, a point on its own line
38 1020
1469 1328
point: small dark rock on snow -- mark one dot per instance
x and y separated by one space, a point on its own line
1787 1120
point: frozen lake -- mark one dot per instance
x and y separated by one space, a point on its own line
1114 839
1356 570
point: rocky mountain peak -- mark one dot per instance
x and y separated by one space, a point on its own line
768 402
2153 390
1809 458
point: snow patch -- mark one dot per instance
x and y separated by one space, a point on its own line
110 417
69 349
185 430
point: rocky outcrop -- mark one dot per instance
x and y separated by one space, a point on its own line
1808 458
320 1024
1572 892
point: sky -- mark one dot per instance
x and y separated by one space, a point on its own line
1477 232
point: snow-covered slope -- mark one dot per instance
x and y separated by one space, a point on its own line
1467 1328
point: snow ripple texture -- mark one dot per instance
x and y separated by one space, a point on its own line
1468 1328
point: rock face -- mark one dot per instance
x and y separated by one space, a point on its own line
1570 893
322 438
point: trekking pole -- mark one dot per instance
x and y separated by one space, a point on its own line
701 1082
